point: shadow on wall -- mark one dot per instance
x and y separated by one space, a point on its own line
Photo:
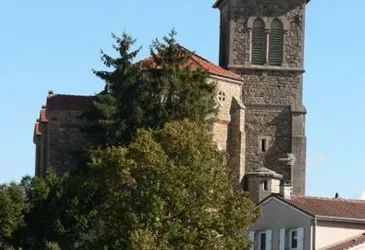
280 144
267 8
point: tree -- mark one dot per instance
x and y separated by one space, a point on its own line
60 214
52 246
169 189
148 94
13 205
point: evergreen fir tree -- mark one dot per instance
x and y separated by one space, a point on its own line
147 94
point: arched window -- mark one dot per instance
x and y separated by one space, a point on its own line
276 43
258 42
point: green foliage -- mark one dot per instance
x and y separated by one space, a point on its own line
52 246
170 189
13 205
148 94
61 210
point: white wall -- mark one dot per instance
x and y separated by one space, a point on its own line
277 215
329 233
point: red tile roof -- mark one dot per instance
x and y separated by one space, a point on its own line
212 68
349 243
37 133
197 61
43 116
69 102
340 208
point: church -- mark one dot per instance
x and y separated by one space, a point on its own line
259 79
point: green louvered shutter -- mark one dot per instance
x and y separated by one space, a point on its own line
258 42
276 44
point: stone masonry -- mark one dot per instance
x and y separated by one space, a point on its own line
272 95
57 132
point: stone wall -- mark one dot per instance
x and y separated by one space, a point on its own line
43 148
271 87
274 109
272 95
228 130
65 138
274 124
226 90
61 139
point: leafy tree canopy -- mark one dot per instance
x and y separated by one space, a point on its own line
170 189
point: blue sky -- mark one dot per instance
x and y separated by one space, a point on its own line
53 46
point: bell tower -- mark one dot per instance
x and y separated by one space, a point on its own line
263 42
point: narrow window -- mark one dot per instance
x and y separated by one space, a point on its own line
258 42
265 185
293 239
276 43
262 242
263 145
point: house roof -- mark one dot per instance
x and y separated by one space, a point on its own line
43 116
328 207
211 68
69 102
195 62
37 125
349 243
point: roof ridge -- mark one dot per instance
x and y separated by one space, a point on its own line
204 59
214 64
329 198
196 60
70 95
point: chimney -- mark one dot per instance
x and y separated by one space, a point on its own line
286 191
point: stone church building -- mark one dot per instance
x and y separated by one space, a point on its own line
261 118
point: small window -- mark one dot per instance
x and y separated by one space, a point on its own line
262 241
263 145
265 185
293 240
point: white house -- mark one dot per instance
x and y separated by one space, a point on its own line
309 223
